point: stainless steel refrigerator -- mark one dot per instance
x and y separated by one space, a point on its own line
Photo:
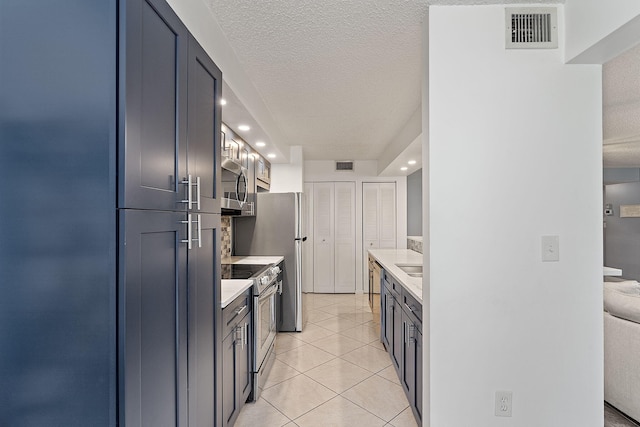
278 229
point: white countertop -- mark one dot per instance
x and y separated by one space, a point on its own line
611 271
388 258
416 238
232 288
260 260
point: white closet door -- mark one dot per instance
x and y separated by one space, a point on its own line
323 248
307 253
345 237
370 196
387 222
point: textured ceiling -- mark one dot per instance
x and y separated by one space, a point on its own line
340 77
621 110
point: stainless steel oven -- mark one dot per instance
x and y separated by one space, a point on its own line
264 311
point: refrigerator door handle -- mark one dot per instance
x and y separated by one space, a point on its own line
298 295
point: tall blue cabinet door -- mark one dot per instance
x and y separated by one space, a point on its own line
204 315
153 107
57 214
204 124
153 319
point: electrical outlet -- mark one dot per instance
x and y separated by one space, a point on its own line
503 403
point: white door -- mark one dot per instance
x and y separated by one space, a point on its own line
387 221
323 241
378 218
345 237
370 196
307 254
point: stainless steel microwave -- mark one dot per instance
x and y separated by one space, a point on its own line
238 198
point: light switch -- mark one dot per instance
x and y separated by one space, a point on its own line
550 248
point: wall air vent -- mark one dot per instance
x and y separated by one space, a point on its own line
344 165
531 28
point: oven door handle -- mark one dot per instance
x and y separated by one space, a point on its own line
272 289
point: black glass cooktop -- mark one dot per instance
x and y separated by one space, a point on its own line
242 271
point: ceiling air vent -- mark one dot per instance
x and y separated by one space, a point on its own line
344 165
532 28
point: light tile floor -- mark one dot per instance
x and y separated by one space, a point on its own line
334 373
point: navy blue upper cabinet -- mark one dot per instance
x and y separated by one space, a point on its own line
170 117
153 107
203 134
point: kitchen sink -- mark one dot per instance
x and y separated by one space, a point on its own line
413 270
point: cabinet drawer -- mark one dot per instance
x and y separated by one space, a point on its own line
235 311
412 307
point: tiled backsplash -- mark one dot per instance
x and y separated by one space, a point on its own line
226 244
414 244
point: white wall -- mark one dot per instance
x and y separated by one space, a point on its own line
364 171
514 153
592 29
289 177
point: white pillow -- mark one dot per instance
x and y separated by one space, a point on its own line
626 286
622 305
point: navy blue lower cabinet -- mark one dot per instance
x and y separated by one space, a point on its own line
386 314
398 335
153 318
204 315
411 365
401 335
169 291
236 356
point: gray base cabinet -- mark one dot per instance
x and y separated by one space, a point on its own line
401 334
236 357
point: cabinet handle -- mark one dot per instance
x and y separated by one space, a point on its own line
188 240
198 192
241 309
405 332
189 184
246 334
199 225
408 307
240 338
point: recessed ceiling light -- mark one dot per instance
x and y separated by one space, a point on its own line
260 144
404 168
412 162
271 156
244 128
223 101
